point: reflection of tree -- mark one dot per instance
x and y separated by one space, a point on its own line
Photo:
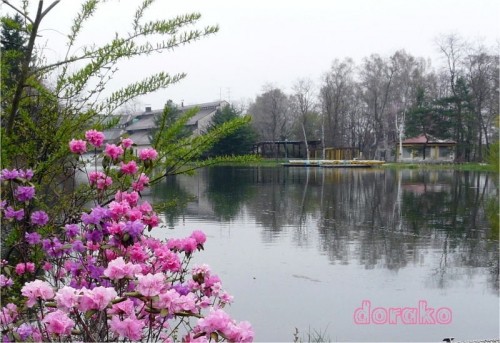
228 189
376 217
171 198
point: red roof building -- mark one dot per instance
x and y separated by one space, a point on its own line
426 148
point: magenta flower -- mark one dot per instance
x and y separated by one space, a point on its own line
113 151
58 323
101 180
127 143
20 268
141 182
37 289
10 213
96 138
129 168
78 146
26 174
151 284
39 218
148 154
130 328
32 238
7 174
5 281
24 193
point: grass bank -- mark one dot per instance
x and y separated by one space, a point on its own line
271 162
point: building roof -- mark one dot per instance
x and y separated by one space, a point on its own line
427 139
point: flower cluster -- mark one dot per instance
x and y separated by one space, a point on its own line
105 279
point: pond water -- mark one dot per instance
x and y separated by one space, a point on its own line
352 254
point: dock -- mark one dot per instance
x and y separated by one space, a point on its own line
334 163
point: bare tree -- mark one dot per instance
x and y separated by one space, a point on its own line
270 113
303 105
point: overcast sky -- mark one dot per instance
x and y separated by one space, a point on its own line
277 41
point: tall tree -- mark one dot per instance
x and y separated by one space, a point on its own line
271 115
240 142
303 105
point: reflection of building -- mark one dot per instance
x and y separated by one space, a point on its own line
140 126
427 148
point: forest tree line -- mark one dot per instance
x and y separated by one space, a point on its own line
372 104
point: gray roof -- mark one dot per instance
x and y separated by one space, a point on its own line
140 138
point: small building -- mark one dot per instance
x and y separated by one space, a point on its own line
426 148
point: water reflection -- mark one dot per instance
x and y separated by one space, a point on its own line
372 217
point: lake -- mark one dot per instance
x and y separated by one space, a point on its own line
352 254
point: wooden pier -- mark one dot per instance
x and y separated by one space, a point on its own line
334 163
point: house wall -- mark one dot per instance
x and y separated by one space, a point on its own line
435 153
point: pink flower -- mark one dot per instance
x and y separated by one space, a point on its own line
242 332
129 168
214 321
30 267
78 146
130 328
199 236
150 284
101 180
58 323
5 281
127 143
97 298
141 182
66 298
123 307
8 314
37 289
148 154
113 151
95 138
118 269
20 268
39 218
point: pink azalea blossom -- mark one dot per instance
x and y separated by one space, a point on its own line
151 284
118 269
141 183
101 180
20 268
37 289
58 323
78 146
96 138
8 314
130 328
129 168
199 236
5 281
97 298
214 321
113 151
148 154
126 143
66 298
